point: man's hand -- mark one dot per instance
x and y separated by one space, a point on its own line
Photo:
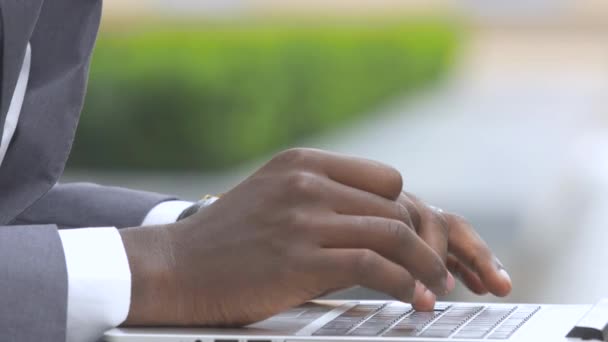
306 223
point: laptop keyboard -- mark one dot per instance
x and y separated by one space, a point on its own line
457 321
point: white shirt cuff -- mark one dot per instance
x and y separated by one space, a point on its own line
99 282
165 212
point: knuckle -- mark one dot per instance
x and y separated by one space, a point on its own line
302 182
365 221
441 223
298 219
399 232
295 155
404 214
411 208
437 270
365 261
479 255
475 260
433 274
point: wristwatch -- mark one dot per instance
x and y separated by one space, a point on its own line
194 208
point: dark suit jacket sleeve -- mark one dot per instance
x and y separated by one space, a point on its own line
33 284
76 205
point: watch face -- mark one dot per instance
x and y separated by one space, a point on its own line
194 208
191 210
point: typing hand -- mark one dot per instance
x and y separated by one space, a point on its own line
306 223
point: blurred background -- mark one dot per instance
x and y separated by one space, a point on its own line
496 110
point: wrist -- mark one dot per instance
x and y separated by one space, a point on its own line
150 260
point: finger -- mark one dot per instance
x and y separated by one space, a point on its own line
466 275
346 200
405 200
390 238
350 267
466 245
424 299
363 174
432 227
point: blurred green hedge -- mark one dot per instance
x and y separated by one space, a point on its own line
208 97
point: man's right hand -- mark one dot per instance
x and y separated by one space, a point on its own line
306 223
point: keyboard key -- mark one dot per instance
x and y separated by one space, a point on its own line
412 324
441 306
484 322
380 321
345 322
514 322
451 320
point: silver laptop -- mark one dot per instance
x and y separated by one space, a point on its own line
395 321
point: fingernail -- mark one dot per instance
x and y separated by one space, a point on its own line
419 291
424 299
450 283
428 296
503 273
499 264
